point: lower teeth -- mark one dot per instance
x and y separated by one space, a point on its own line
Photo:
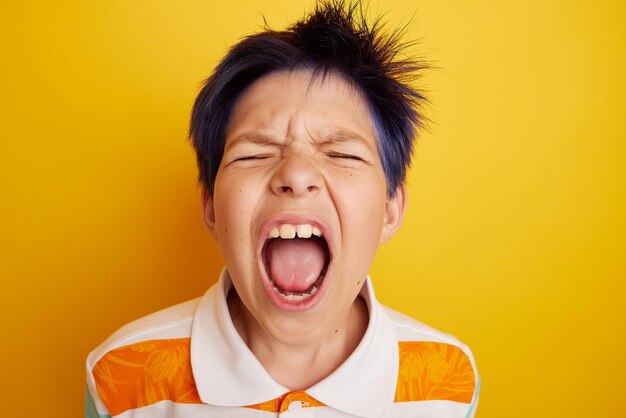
297 297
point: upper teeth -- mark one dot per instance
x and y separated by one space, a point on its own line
289 231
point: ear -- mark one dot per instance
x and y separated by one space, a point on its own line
208 212
395 209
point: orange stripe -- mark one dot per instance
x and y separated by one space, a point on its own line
281 404
434 371
268 406
148 372
145 373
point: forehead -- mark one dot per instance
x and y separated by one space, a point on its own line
297 104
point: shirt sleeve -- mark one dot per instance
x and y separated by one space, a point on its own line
94 408
472 408
90 407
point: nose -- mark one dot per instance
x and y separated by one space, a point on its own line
296 175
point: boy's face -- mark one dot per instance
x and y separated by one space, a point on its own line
301 154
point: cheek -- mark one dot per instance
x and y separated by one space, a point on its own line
362 212
369 229
234 205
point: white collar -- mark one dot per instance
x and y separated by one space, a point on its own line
228 374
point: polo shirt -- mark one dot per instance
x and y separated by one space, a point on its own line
188 361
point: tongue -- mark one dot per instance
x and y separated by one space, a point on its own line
295 264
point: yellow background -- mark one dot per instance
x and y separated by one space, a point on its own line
515 236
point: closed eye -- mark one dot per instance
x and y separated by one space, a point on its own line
253 157
345 156
256 157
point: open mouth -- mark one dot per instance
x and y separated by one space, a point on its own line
296 259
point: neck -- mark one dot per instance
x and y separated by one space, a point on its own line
300 365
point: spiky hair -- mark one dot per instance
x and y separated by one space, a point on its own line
335 37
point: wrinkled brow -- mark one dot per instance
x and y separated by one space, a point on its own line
253 138
335 136
338 136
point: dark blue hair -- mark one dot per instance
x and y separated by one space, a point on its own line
336 38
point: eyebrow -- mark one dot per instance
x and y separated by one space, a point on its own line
343 136
252 137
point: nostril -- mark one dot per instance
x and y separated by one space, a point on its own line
296 176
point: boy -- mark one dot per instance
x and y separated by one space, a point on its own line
303 138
